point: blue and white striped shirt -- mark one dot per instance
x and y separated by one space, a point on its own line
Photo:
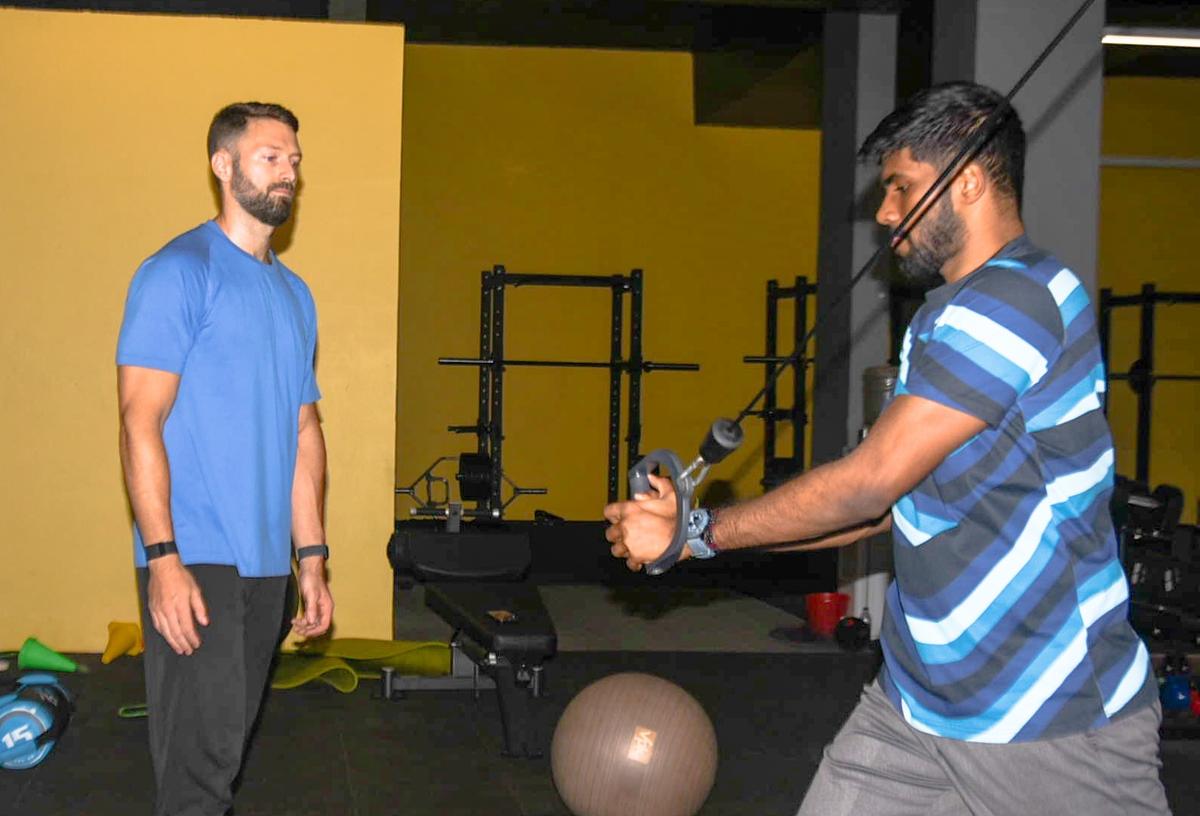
1008 617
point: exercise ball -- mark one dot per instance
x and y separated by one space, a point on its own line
633 745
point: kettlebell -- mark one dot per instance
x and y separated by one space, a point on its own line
852 634
33 715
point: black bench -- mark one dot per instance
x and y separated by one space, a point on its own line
503 633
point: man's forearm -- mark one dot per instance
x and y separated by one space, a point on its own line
838 498
308 487
840 538
148 480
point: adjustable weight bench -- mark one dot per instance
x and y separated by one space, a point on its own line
503 633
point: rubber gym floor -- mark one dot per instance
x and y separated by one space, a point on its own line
319 751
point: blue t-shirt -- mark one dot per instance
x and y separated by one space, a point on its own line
242 336
1008 618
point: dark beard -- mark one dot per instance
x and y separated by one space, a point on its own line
270 209
937 238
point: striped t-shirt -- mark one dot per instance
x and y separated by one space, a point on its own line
1008 617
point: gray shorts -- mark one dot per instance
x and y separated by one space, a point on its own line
879 764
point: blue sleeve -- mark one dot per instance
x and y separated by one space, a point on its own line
164 310
309 391
993 341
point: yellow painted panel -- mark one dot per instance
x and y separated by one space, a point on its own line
588 162
104 121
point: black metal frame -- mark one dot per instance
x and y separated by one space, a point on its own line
1141 375
491 363
778 468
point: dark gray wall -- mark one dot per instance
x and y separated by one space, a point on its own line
993 42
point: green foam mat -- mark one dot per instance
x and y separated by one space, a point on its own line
342 662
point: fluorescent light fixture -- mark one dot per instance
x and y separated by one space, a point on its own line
1159 37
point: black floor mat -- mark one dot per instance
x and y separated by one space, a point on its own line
318 751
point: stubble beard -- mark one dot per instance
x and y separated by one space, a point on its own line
938 238
272 210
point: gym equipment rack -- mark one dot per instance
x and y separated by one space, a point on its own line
491 363
777 469
1141 375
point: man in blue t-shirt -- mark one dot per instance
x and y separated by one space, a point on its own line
224 461
1012 682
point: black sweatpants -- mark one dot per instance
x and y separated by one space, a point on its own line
202 705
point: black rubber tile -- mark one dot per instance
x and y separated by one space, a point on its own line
317 751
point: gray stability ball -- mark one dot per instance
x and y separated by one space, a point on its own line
634 744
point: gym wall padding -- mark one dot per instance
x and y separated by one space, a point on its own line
589 162
104 120
1149 219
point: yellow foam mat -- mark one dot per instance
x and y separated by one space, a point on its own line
342 662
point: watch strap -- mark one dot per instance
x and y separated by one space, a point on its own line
312 550
160 549
707 533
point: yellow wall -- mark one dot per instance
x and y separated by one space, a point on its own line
565 160
104 118
1149 220
546 160
587 162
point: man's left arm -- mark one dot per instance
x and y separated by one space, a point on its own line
911 438
308 525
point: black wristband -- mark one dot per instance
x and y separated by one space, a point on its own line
312 550
160 549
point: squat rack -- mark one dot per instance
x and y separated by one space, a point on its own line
491 362
776 469
1141 375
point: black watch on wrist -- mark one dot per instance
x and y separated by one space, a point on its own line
313 550
160 549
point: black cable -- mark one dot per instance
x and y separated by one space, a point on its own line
964 157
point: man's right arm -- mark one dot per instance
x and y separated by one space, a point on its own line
146 396
174 601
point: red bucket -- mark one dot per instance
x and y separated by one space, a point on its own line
825 609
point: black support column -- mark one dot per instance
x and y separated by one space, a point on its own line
860 81
859 90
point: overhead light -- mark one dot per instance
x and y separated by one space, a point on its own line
1158 37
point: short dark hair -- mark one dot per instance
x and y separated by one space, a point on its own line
231 120
935 123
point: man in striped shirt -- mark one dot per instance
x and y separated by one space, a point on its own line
1012 681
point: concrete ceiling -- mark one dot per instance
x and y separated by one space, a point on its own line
708 25
767 26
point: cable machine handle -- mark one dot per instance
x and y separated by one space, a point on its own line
723 438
